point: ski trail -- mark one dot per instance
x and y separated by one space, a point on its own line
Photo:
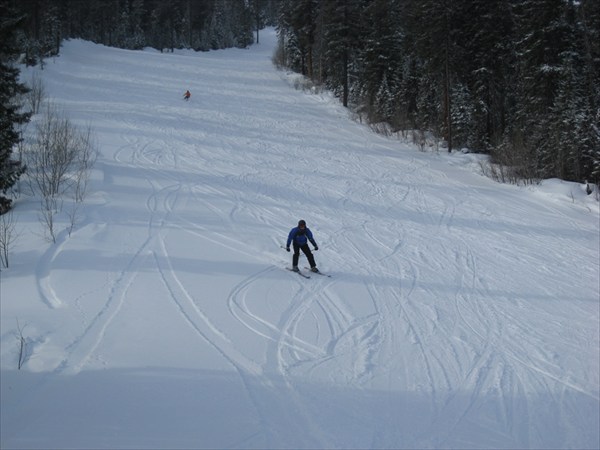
81 349
283 358
44 268
205 329
239 308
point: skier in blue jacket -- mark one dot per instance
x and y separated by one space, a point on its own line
300 236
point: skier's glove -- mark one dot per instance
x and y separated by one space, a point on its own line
287 249
316 248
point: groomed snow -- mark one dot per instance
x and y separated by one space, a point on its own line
461 313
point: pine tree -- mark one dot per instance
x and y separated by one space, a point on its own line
462 115
342 35
541 39
436 27
486 68
380 59
10 89
302 20
589 126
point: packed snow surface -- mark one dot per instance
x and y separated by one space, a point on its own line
460 313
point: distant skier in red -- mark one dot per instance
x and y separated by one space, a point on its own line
187 95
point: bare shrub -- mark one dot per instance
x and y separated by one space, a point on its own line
7 236
278 58
37 93
513 164
86 158
419 139
50 207
60 156
22 346
382 128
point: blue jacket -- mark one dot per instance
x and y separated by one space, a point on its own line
300 238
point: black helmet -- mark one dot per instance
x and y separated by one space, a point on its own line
301 223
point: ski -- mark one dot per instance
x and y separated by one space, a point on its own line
299 273
319 273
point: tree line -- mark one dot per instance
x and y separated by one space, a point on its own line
516 79
135 24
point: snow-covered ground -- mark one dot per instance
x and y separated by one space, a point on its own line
459 313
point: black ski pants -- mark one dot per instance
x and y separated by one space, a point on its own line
306 250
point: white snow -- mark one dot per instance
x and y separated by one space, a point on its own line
461 313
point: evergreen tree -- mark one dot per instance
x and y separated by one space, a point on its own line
242 22
566 155
408 93
300 19
588 19
380 60
130 33
462 115
541 39
10 90
436 27
487 69
342 35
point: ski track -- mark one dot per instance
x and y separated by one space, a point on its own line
82 348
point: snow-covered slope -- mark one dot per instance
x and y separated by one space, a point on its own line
460 312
